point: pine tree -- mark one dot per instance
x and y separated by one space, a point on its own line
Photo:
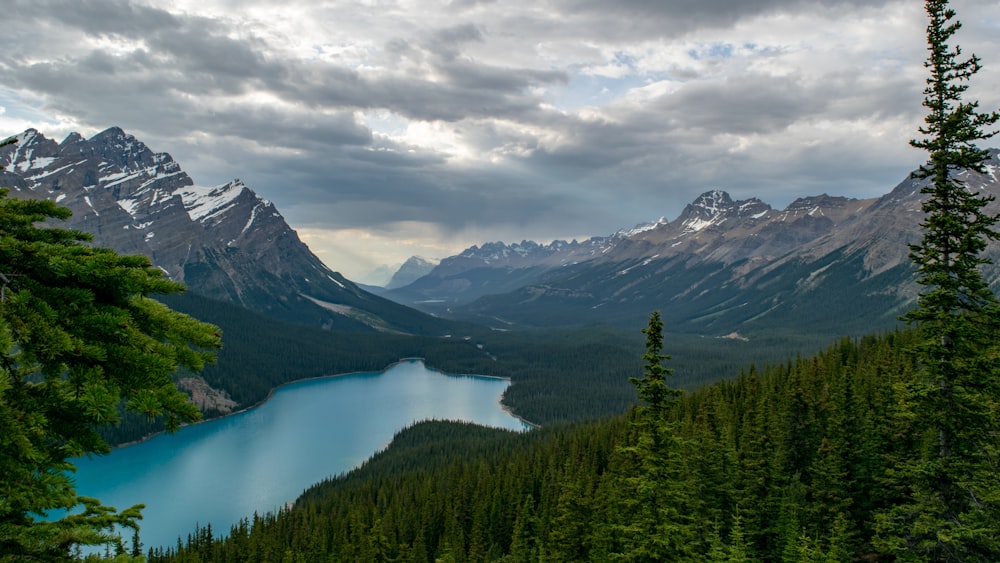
658 504
652 387
956 228
78 335
953 508
738 550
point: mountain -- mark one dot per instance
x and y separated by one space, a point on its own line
413 269
497 267
223 242
824 265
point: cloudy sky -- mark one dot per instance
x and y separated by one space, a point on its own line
388 128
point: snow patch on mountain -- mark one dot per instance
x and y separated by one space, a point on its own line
696 224
40 162
48 173
713 208
641 228
203 203
714 202
130 206
253 215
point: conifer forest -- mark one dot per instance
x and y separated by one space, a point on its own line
884 447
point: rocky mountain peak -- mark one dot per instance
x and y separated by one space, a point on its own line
223 242
713 201
32 150
413 269
713 208
811 202
72 139
118 148
823 206
497 251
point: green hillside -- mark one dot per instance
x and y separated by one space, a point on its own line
557 375
795 462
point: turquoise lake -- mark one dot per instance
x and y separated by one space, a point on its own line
257 461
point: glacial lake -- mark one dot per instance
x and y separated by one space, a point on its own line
257 461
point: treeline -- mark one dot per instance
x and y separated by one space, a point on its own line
557 375
791 463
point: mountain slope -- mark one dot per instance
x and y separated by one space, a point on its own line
413 269
223 241
499 268
824 264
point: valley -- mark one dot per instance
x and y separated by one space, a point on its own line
792 355
789 281
744 289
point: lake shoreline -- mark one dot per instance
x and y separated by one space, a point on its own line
262 460
274 390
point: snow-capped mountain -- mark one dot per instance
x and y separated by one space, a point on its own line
222 241
494 267
713 226
824 264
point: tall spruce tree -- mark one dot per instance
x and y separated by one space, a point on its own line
652 386
952 511
78 335
658 505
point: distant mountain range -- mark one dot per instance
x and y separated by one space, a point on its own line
223 242
497 268
825 265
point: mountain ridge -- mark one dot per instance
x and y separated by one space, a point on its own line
720 266
223 242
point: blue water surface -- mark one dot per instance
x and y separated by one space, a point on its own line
257 461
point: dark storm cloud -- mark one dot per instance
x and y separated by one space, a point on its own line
366 190
189 54
564 117
192 55
679 122
656 18
197 47
98 17
483 93
184 58
743 104
312 131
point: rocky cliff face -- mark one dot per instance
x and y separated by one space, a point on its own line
223 241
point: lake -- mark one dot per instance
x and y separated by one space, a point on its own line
257 461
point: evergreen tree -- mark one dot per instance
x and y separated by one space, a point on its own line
658 503
78 334
738 550
953 484
652 387
136 544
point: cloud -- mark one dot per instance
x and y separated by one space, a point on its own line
497 120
